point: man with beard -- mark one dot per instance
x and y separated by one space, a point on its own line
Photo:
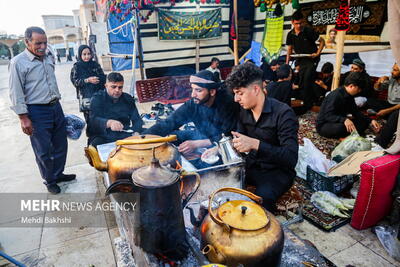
211 109
112 113
385 107
267 131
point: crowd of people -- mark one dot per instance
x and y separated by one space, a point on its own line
253 105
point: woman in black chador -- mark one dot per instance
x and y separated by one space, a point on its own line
88 77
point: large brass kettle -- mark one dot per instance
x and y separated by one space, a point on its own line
241 232
132 153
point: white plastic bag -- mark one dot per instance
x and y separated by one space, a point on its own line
353 143
310 155
387 237
360 101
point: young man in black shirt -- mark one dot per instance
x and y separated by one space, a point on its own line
301 40
282 89
322 86
112 112
359 66
267 130
339 115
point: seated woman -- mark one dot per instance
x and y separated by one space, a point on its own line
88 77
339 115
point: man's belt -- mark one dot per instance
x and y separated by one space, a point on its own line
51 103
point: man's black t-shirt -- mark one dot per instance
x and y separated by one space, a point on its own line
281 91
304 42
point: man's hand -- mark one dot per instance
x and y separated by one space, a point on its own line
93 79
187 147
383 112
243 143
115 126
349 125
380 81
26 124
314 55
376 127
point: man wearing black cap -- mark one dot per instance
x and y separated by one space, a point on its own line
359 66
211 109
301 40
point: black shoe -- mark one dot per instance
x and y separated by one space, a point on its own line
53 189
65 178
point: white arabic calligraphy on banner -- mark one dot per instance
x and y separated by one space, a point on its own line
328 16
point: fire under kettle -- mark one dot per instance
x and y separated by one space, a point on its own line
241 232
159 226
227 151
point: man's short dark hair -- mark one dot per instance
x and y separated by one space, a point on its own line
354 78
115 77
214 59
284 71
274 62
297 15
327 67
243 75
29 31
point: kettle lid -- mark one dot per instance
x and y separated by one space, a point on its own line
243 215
154 176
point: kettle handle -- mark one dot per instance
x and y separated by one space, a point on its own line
168 138
194 189
248 194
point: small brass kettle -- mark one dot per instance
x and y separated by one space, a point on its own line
241 232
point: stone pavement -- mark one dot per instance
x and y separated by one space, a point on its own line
89 246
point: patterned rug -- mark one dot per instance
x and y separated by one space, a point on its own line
307 129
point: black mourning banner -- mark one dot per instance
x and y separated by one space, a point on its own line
366 18
245 25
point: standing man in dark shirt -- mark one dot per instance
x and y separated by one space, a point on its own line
211 109
282 89
267 130
339 115
112 112
301 40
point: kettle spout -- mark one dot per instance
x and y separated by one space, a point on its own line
94 159
193 219
213 255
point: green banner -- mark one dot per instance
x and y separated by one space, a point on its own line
273 34
189 25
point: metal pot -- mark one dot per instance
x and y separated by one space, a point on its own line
132 153
159 226
227 151
242 232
